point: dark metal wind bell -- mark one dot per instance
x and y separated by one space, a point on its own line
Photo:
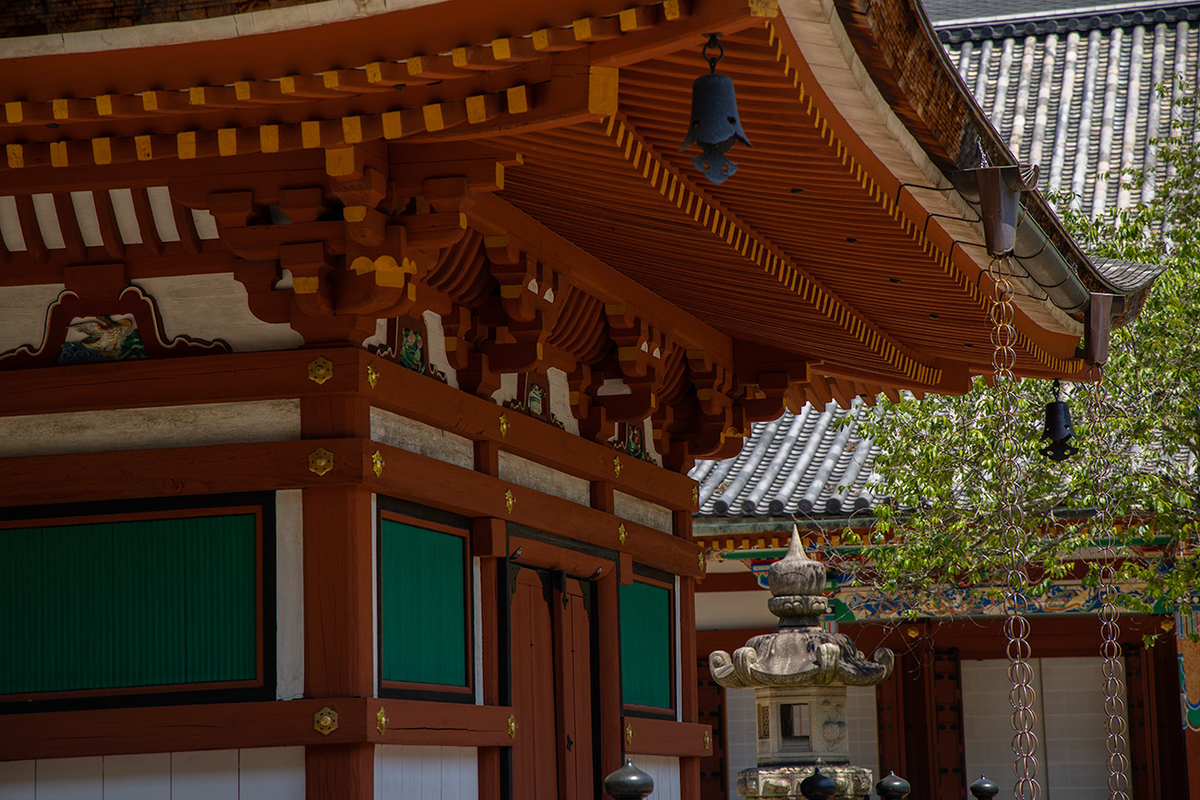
715 124
1059 429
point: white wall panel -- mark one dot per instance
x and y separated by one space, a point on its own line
268 773
426 773
271 773
204 775
665 771
138 777
149 428
1073 710
23 313
215 307
289 594
862 728
741 736
987 726
70 779
17 780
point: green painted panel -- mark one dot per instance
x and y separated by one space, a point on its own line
647 632
423 614
127 604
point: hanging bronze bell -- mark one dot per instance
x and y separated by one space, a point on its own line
714 124
1059 431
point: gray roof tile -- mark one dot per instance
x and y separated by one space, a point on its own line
1082 104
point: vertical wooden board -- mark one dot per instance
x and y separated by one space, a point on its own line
417 773
76 571
423 614
204 775
646 633
581 646
271 773
17 780
138 777
21 612
70 778
149 618
220 592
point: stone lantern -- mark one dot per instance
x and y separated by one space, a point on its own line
799 674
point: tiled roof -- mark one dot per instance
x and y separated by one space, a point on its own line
1081 102
813 463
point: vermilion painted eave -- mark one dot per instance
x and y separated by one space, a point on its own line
393 36
1056 344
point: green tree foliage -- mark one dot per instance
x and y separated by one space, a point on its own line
940 463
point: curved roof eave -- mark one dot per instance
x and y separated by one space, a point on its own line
925 126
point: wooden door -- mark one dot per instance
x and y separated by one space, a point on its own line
551 688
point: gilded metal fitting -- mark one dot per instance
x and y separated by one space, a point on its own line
377 463
509 500
695 495
320 461
512 726
381 721
621 534
628 734
325 721
320 369
617 466
372 375
503 425
707 740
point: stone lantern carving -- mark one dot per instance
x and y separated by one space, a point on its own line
799 674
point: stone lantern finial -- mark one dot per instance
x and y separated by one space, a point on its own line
799 674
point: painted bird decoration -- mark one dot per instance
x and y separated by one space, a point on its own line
105 335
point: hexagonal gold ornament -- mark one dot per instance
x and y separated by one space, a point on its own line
617 466
509 500
325 721
377 463
320 369
628 734
372 375
320 461
381 721
503 425
621 534
512 726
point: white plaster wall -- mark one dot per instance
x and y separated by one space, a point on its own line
23 312
560 400
1073 709
532 475
426 773
642 511
741 742
417 437
987 726
289 594
149 428
435 336
215 307
665 772
508 389
721 610
862 728
268 773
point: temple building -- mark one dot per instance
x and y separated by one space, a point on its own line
354 354
1081 89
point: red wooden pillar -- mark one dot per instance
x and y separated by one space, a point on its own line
338 602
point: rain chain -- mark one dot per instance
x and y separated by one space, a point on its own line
1016 627
1100 452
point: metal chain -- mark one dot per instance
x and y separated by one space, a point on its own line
1100 452
1022 696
